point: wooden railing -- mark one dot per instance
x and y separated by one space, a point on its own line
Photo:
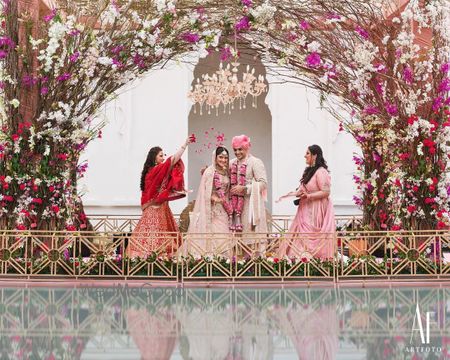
333 257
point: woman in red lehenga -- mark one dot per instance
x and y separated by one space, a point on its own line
161 181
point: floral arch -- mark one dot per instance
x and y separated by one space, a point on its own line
382 70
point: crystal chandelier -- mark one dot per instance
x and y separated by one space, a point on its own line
224 88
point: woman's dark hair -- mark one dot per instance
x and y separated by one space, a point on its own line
220 150
320 162
149 163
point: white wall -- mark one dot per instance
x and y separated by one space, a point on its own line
155 112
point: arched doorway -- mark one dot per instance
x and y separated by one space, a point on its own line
254 122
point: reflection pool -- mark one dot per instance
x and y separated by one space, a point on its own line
147 322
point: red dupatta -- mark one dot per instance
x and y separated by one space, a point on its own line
164 182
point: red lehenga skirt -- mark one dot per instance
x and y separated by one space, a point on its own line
155 233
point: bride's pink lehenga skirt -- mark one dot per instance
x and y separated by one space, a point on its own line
156 232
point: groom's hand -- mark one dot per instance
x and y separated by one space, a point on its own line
238 190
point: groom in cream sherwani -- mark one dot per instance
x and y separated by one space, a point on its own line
254 191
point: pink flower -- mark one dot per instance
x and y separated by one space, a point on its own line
407 75
313 60
444 86
29 80
247 3
371 110
243 24
363 33
391 109
429 200
220 138
304 25
190 37
225 54
50 16
74 57
376 157
63 157
6 43
357 160
37 201
64 77
193 138
55 209
437 103
44 90
74 32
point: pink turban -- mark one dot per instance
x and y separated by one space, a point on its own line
241 141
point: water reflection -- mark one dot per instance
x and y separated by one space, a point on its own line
225 324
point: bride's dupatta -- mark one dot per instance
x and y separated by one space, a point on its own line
201 214
163 182
200 227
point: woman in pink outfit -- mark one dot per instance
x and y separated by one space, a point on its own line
314 224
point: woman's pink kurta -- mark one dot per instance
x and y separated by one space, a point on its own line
314 223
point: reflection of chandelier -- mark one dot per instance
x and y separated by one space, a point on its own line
224 88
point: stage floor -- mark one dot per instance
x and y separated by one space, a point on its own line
138 320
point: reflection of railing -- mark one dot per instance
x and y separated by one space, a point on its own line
277 223
235 257
46 320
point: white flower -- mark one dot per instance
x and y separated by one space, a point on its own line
8 179
263 13
105 60
313 46
15 103
288 24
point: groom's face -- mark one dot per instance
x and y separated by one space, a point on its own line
240 153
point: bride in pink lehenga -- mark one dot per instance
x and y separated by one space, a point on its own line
212 210
314 222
